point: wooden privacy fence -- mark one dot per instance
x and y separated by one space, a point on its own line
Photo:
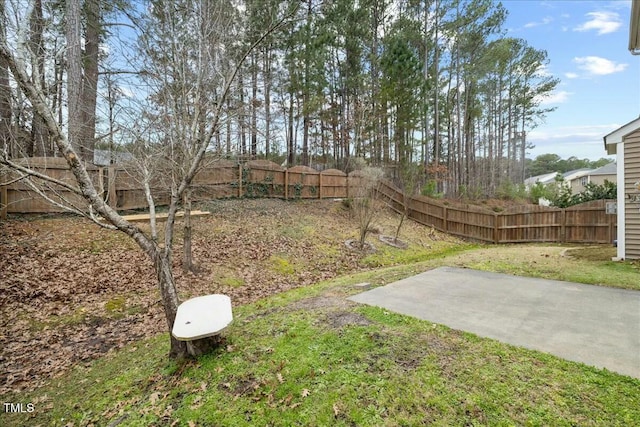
584 223
123 188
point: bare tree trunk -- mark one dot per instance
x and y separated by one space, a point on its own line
241 115
436 96
290 145
228 142
151 203
90 81
6 135
39 145
254 105
74 74
169 296
267 100
187 259
57 104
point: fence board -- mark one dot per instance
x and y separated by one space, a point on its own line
303 182
333 184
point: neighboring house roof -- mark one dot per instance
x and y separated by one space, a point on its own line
608 169
575 174
634 28
543 179
104 157
612 140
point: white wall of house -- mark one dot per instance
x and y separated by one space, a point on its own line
620 253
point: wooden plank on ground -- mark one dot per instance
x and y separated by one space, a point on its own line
161 216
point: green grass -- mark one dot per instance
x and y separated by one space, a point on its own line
385 255
309 357
552 264
280 264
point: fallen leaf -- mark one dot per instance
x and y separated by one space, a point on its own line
154 398
280 379
305 393
336 411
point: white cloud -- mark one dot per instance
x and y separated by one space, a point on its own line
603 22
546 20
572 134
571 75
598 66
558 97
583 141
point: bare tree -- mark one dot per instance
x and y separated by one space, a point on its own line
186 162
364 201
409 175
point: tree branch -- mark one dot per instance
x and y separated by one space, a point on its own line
31 172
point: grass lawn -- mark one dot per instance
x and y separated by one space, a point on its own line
310 357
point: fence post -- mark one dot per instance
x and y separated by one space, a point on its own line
347 182
111 187
496 228
320 186
286 184
613 219
445 223
563 226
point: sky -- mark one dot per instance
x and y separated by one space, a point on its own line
599 90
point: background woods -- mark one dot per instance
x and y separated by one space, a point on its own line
431 83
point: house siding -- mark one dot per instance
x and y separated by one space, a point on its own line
632 208
600 179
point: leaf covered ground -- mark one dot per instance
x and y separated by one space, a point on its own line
71 292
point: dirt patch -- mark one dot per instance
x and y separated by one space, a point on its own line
354 245
592 253
392 241
318 302
339 319
241 386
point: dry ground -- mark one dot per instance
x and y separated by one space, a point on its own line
71 291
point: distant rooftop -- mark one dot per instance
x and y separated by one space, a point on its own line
107 157
577 173
608 169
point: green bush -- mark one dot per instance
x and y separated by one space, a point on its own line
561 195
430 189
510 191
539 191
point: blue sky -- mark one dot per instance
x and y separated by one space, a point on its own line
587 44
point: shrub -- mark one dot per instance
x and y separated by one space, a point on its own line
363 205
510 191
430 189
